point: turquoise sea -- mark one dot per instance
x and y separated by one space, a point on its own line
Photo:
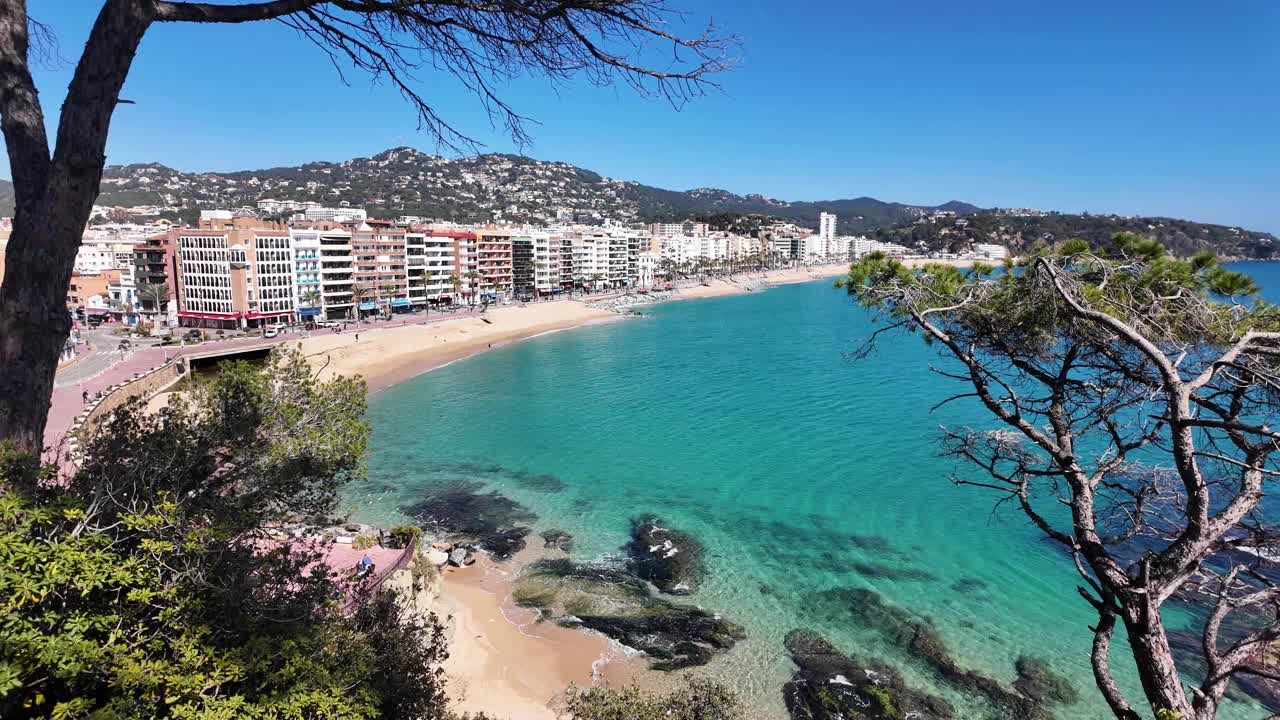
744 421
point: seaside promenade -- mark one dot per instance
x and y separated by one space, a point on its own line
68 399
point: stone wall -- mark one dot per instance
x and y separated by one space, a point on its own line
143 386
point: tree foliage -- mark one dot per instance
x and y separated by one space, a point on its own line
695 699
155 582
1136 393
1022 233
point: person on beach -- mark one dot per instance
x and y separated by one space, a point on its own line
357 337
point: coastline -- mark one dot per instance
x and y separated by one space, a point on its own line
388 355
503 661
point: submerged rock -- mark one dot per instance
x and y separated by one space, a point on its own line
668 558
918 637
969 585
464 513
891 572
831 686
1040 683
557 539
620 605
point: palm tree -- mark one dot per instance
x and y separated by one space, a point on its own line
456 282
359 294
472 278
156 294
310 297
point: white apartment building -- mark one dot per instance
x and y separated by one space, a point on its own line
691 229
93 258
440 269
647 268
785 248
308 274
811 249
991 252
110 246
338 214
862 246
124 293
337 274
415 259
535 258
838 248
590 260
827 226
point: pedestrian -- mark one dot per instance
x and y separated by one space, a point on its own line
357 337
85 397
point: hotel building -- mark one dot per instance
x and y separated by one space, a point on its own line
238 277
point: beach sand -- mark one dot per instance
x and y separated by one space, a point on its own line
749 281
504 662
386 354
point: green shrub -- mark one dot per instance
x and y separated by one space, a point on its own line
363 542
696 699
402 536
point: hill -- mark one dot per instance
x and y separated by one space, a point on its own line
1020 230
480 188
404 181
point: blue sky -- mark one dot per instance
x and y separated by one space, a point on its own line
1167 108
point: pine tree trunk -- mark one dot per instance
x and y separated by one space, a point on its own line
34 322
1154 658
54 196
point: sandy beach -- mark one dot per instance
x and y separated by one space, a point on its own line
750 281
386 354
504 662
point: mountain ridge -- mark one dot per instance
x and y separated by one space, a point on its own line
496 186
506 187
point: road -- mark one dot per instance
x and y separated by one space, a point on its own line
104 355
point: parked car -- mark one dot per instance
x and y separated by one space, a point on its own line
270 331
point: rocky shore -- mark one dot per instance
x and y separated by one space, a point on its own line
620 605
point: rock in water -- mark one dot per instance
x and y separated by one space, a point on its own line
458 557
918 637
668 558
832 686
463 512
557 539
1040 683
619 604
